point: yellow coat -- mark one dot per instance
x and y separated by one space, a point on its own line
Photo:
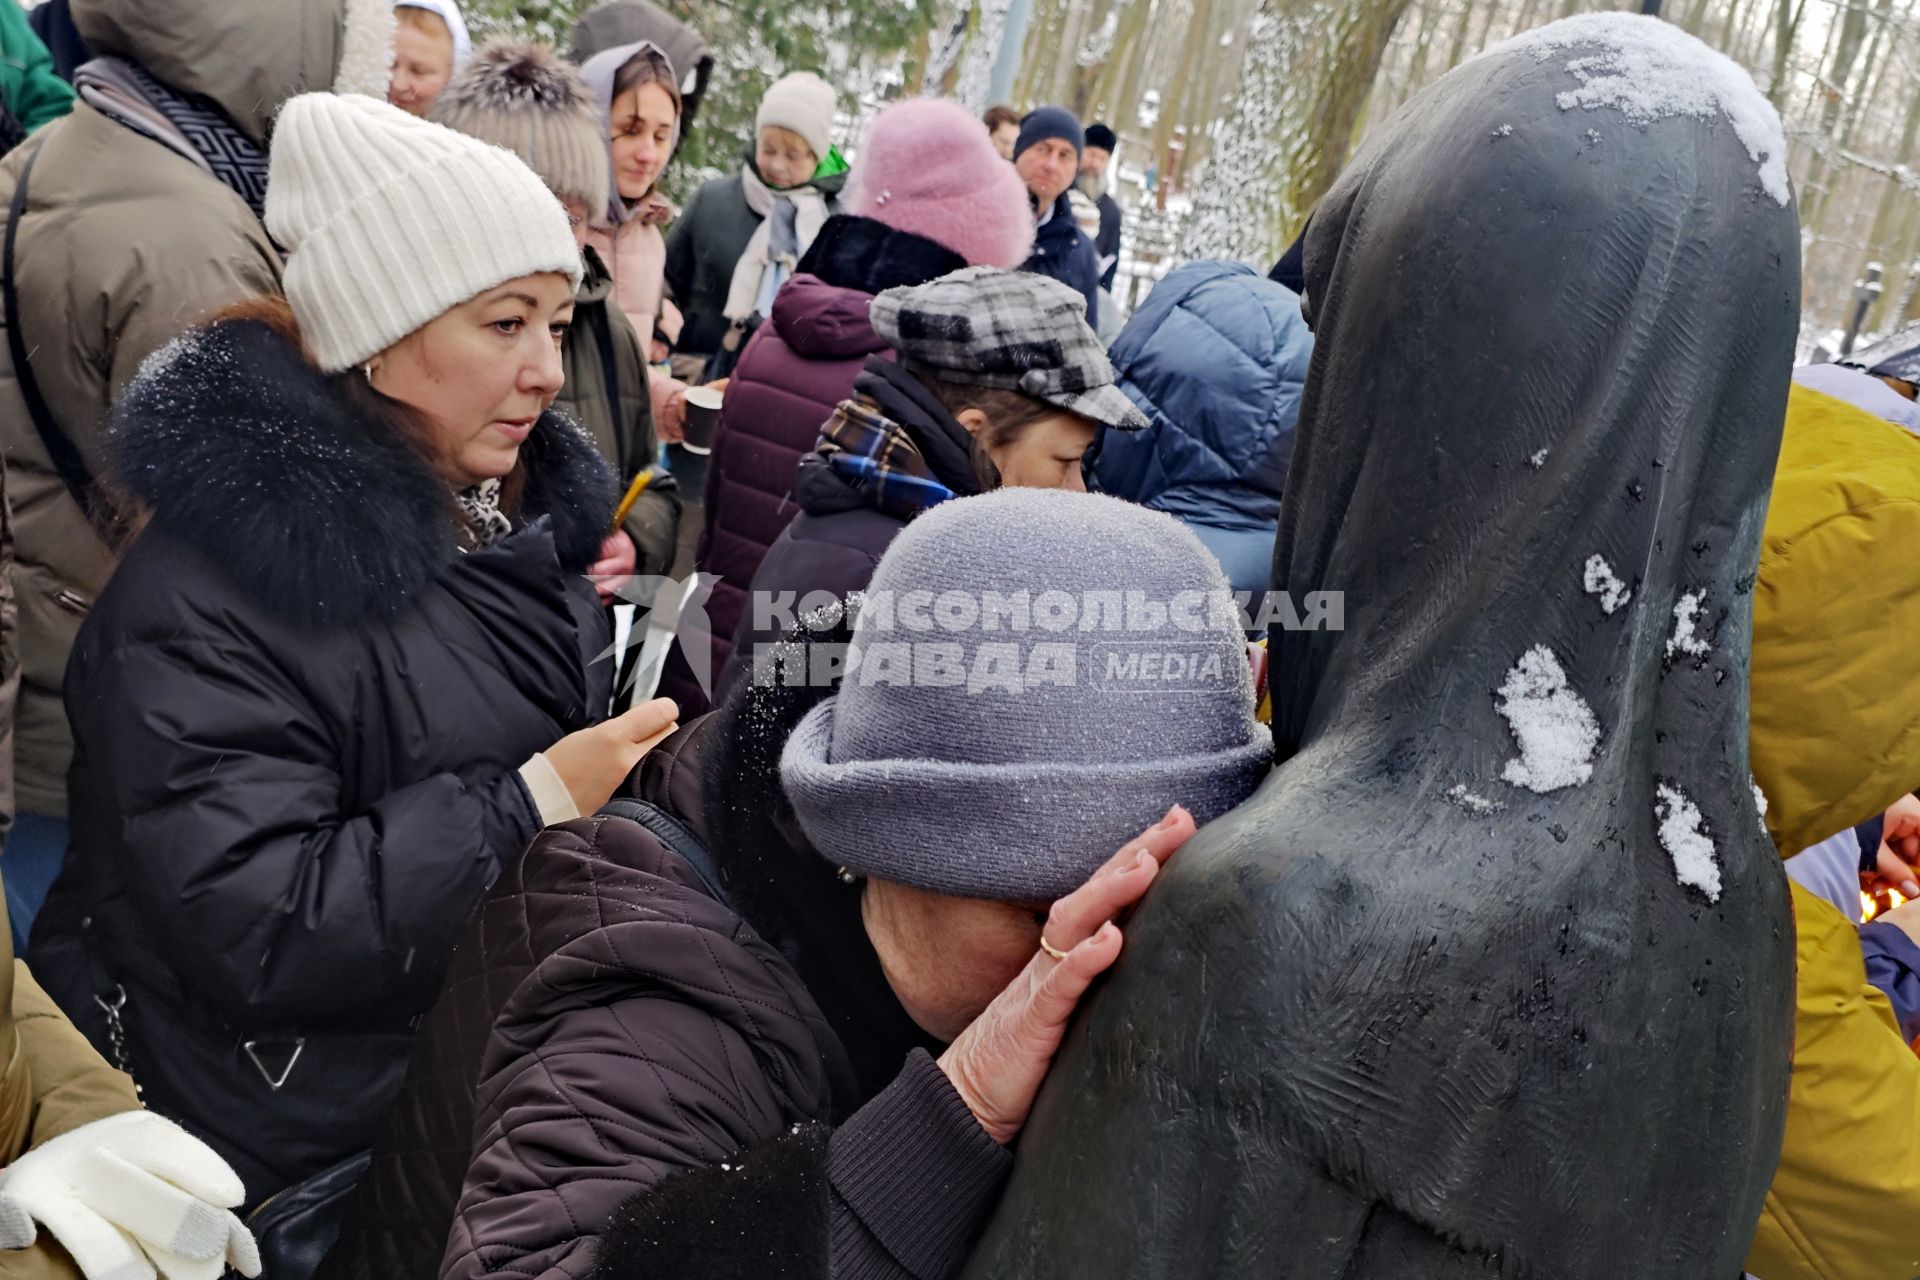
1835 714
1835 738
1845 1203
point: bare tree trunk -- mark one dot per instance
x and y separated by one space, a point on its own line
1196 104
1176 90
1852 31
1110 94
1787 15
1459 49
1305 81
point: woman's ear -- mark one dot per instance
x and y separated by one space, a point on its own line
972 420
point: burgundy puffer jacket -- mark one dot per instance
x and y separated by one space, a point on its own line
618 1051
795 369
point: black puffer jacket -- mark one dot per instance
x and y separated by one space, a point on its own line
300 713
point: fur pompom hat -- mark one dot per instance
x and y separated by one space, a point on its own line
930 170
521 96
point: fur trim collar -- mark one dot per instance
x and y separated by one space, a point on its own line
241 449
366 48
867 254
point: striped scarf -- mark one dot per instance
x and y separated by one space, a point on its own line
878 458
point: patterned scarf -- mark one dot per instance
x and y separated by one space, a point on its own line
789 221
191 126
878 458
480 507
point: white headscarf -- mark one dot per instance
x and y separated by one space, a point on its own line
449 13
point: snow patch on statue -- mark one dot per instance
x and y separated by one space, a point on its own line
1683 835
1600 580
1477 805
1650 70
1686 636
1760 805
1555 729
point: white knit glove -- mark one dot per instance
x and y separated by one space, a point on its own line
130 1196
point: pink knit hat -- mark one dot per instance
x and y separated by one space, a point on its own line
928 168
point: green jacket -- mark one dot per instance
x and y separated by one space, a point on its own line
704 245
28 84
623 433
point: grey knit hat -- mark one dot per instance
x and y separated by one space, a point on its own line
521 97
984 327
1035 677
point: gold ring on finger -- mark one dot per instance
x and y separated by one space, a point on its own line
1050 949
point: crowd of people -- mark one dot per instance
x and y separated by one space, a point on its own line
364 921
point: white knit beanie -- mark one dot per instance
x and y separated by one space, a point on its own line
390 221
804 103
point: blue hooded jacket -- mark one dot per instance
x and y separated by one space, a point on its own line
1216 357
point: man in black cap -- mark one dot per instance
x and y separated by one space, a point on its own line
1095 156
1047 156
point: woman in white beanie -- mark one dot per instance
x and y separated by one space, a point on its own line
347 670
520 95
740 237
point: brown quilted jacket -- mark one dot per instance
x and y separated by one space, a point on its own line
608 1025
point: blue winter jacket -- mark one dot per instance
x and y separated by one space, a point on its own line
1061 250
1216 357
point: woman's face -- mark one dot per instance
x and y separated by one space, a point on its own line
1004 137
482 373
1047 455
643 123
947 958
783 157
422 65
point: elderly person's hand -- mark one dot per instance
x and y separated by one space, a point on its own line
998 1062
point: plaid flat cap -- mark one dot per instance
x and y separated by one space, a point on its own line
1009 329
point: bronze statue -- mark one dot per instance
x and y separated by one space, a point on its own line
1494 975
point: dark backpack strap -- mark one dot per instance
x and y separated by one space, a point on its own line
610 372
673 833
64 454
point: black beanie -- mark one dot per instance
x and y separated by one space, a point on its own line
1042 123
1099 135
